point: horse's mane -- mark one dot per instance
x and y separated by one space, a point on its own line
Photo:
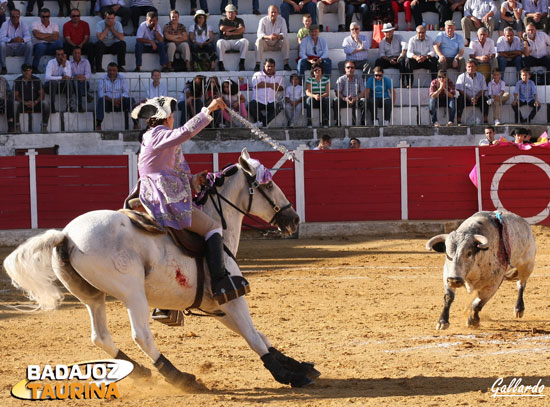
213 180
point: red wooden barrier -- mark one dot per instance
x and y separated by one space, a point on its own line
68 186
438 184
346 185
516 180
15 203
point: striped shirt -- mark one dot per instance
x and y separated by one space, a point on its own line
318 88
8 31
350 45
114 89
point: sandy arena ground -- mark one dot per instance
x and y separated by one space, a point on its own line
363 309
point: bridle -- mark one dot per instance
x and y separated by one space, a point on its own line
253 186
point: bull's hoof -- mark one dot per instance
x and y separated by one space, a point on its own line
472 323
441 325
518 313
300 380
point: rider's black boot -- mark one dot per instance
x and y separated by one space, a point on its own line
224 286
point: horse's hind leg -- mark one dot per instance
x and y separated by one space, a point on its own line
94 300
138 310
237 318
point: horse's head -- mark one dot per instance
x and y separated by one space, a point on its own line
265 198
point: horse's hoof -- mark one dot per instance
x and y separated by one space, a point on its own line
300 381
194 387
140 372
310 371
518 313
441 325
472 323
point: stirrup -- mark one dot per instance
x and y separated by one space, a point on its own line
229 288
168 317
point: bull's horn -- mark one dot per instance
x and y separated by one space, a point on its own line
435 243
482 241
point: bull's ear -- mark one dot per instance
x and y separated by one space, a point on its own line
437 243
482 241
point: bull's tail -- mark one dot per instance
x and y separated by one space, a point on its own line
30 268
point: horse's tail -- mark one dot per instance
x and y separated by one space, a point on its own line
30 268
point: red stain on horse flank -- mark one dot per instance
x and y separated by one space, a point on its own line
181 279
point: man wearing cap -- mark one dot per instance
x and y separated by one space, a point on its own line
449 47
420 52
314 49
272 36
15 40
289 7
231 37
471 86
478 13
392 51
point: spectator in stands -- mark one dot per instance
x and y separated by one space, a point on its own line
392 51
420 53
318 94
478 13
421 6
201 42
46 38
447 8
525 93
113 95
350 93
535 45
15 39
325 143
289 7
314 49
62 5
29 96
379 93
509 50
157 87
58 79
149 39
77 34
472 87
402 5
442 93
536 12
489 137
356 46
449 47
203 3
381 10
235 101
110 40
140 8
231 37
358 7
304 31
268 87
30 6
331 6
354 143
118 7
6 6
510 16
484 51
6 104
81 71
294 98
272 36
255 6
193 100
497 95
176 38
521 135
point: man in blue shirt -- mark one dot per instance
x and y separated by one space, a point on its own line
525 94
379 92
314 49
449 48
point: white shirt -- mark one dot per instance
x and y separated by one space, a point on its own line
204 36
265 95
487 49
537 48
266 27
393 48
50 29
146 33
55 72
294 93
156 91
81 68
417 47
494 89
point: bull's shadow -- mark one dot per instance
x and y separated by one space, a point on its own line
329 388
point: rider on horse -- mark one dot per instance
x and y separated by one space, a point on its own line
166 181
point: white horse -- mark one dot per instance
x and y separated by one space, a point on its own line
102 253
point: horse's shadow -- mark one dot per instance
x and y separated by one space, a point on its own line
385 387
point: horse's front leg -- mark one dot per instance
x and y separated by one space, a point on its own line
237 318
